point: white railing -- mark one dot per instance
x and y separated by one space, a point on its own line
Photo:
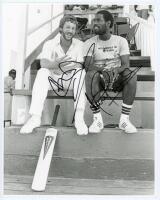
43 24
38 42
145 37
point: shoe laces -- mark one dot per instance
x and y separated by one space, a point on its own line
126 123
123 125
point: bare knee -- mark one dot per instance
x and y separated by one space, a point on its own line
129 77
92 75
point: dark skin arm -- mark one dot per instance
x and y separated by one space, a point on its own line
124 63
89 64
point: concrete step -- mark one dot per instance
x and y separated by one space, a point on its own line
110 143
111 162
89 168
142 114
137 61
21 185
135 52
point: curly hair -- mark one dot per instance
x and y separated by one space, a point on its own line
12 71
67 18
107 16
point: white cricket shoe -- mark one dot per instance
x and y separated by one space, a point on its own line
127 126
33 122
97 124
81 127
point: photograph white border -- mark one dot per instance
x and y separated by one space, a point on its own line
157 110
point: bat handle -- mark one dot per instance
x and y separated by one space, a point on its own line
55 115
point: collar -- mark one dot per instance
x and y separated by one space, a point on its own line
59 37
104 40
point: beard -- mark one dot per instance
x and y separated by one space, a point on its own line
68 36
99 30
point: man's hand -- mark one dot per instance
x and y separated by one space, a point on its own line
115 72
45 63
61 62
110 76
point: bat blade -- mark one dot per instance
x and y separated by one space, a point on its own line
44 161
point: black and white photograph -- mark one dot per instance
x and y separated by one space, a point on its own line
79 99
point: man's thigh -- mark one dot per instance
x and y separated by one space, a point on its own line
75 77
55 81
64 81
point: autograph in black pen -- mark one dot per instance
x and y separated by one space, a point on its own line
59 84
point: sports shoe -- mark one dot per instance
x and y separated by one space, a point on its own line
33 122
81 127
127 126
97 124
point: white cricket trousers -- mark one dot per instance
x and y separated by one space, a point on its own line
74 82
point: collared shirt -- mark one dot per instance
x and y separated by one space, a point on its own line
9 84
53 50
106 53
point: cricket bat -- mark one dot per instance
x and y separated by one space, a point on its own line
45 157
44 161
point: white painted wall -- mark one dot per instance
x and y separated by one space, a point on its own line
56 9
11 30
39 14
14 27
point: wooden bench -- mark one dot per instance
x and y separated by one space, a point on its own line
145 96
144 74
140 96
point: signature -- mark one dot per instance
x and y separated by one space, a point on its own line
59 84
105 93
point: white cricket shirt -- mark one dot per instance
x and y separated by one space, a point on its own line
52 50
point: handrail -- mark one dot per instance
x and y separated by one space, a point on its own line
140 20
145 38
43 24
37 51
33 55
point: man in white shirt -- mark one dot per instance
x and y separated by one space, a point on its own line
59 55
107 67
143 11
9 81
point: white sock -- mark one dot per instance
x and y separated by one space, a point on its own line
98 115
124 117
125 112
